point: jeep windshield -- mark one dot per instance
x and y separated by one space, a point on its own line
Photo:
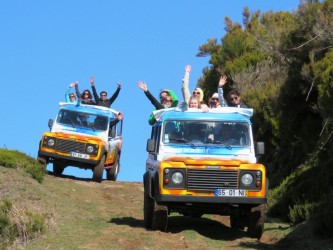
219 133
81 119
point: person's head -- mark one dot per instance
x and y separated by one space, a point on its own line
194 103
86 94
198 93
164 94
167 101
214 100
103 95
72 97
234 98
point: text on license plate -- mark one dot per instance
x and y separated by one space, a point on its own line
230 192
79 155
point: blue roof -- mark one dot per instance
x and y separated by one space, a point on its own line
90 109
213 116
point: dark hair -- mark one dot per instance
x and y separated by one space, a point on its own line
103 92
89 94
233 92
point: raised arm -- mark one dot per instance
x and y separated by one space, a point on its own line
115 94
222 82
185 86
93 88
156 104
68 90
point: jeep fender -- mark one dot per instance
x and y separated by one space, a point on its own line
150 184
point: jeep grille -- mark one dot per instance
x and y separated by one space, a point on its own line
208 179
70 146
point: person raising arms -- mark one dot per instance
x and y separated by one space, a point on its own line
70 97
233 96
85 97
197 92
103 100
168 99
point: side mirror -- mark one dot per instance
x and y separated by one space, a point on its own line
50 123
260 148
150 145
113 133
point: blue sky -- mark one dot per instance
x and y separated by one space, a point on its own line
45 45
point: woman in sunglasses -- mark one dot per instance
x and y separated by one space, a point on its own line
196 93
168 99
85 97
70 97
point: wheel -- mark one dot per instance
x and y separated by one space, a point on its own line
257 221
160 217
58 169
148 210
111 174
98 170
236 222
195 214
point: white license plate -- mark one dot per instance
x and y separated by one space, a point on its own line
79 155
230 192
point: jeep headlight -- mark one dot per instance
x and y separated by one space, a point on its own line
90 149
50 142
177 177
247 179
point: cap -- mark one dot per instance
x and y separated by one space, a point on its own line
215 95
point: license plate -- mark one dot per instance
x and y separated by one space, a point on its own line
79 155
230 192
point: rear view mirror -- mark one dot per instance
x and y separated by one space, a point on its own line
260 148
113 133
50 123
150 145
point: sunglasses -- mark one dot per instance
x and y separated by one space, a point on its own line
196 93
103 95
233 98
214 99
166 100
71 96
86 93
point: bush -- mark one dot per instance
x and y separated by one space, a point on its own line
18 225
16 159
8 233
299 213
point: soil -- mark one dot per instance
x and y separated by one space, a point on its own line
87 215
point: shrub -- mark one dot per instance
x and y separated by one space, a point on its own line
300 212
16 159
21 225
8 232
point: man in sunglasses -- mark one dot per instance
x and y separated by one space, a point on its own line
103 100
233 96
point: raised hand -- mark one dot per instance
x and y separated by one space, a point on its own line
143 86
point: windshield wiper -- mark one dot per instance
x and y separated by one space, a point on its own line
186 141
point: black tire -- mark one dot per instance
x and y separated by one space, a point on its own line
148 210
160 217
196 214
98 170
58 169
111 174
257 221
236 222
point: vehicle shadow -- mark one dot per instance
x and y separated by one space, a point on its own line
71 177
206 227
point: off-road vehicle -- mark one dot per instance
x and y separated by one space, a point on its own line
83 136
205 163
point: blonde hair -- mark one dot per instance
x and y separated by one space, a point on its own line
194 99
